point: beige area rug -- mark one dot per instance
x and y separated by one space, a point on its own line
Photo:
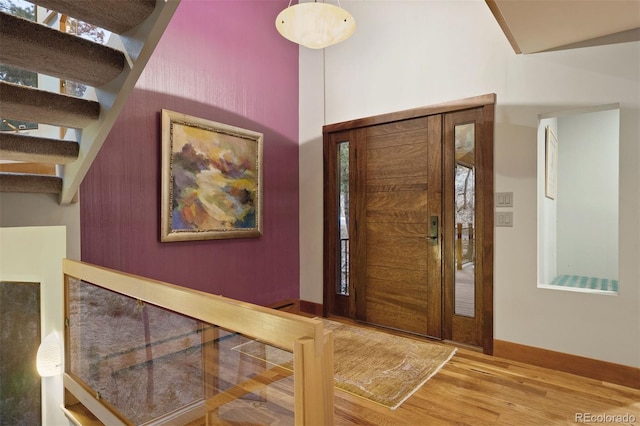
377 366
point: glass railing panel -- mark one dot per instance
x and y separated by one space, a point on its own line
149 364
248 382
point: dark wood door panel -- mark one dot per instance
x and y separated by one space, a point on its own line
397 304
383 140
392 274
403 127
397 252
398 161
410 229
397 206
399 269
409 183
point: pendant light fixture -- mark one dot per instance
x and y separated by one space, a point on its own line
315 25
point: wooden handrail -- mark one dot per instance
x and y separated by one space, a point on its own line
269 325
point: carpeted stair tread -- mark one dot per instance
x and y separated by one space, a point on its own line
136 26
114 15
18 147
18 182
29 104
29 45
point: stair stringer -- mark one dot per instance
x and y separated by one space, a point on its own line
139 44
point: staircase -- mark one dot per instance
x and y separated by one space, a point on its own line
112 69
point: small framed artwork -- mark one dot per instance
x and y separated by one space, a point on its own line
211 180
551 164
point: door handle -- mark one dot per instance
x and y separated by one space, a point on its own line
433 230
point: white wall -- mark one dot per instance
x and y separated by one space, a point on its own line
311 116
35 254
588 194
17 210
406 54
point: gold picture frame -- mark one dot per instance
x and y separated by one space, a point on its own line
211 180
551 164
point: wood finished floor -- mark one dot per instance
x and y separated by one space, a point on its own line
471 389
476 389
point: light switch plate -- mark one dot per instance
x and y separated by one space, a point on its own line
504 199
504 219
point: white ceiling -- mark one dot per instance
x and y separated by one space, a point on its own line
541 25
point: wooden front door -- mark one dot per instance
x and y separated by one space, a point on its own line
394 254
398 280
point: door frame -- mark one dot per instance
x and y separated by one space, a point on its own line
485 209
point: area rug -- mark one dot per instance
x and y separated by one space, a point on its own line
377 366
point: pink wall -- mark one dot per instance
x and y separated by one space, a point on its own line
224 61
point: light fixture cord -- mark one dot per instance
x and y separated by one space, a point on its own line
324 87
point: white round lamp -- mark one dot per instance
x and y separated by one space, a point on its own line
315 25
49 357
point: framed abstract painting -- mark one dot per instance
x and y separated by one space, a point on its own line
211 180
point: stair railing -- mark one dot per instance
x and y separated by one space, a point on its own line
89 287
